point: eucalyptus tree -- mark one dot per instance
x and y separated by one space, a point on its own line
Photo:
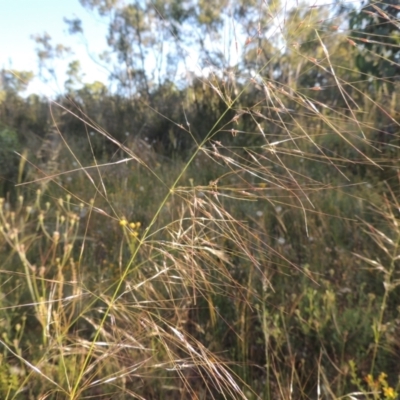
376 29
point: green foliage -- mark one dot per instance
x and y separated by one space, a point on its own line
9 144
15 81
376 28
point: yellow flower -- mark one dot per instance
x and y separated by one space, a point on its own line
389 393
123 222
370 381
382 379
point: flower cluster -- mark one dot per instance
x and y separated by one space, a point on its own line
381 385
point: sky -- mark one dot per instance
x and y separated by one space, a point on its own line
19 19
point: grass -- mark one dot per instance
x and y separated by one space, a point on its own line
261 265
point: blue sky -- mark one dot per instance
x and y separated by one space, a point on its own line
19 19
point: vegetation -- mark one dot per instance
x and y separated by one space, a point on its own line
234 234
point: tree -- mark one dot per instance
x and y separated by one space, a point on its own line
376 27
15 81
